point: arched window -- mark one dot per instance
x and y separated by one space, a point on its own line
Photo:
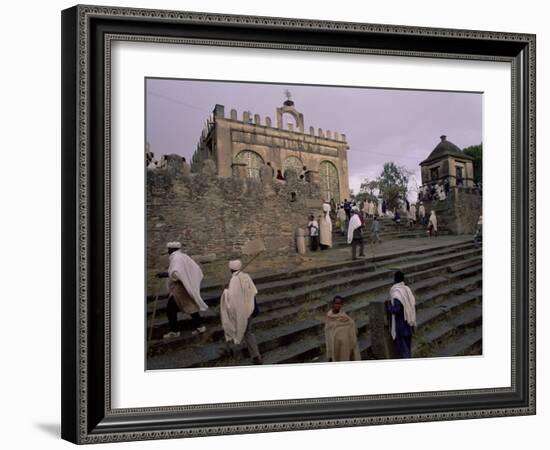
253 162
293 162
330 186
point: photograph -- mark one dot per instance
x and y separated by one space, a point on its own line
296 223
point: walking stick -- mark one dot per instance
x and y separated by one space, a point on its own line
154 311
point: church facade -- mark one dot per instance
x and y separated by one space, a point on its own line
240 147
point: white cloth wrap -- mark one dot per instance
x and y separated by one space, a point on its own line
184 269
433 220
354 222
404 294
236 306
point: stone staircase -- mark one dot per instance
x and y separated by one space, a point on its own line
390 231
446 280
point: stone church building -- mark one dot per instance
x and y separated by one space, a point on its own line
242 147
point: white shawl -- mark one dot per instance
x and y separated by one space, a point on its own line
372 208
236 306
354 222
421 211
404 294
326 211
433 220
184 269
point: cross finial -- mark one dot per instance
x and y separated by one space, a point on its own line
287 94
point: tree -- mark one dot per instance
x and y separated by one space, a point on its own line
476 152
367 191
393 184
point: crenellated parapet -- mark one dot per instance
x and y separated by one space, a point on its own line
243 141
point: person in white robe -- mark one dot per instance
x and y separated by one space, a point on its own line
441 192
478 236
402 307
422 214
372 209
184 283
432 224
355 234
341 218
237 308
412 215
325 227
366 208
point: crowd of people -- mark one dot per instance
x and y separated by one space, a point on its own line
238 309
352 220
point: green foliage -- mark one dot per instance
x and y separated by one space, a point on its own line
368 191
476 152
393 184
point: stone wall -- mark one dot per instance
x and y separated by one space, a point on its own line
215 216
460 211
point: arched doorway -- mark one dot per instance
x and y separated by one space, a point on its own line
294 163
330 185
253 162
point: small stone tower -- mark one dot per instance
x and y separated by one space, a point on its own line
447 161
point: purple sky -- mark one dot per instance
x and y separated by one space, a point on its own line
381 125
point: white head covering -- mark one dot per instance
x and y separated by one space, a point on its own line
236 264
175 244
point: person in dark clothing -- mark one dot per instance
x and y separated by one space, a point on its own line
355 234
313 227
384 207
347 209
402 307
397 218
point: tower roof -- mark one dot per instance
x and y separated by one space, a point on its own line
443 149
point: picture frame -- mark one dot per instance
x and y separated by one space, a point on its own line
87 35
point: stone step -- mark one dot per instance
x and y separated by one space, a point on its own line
424 342
450 287
212 292
337 270
428 317
311 349
468 343
305 292
304 350
375 280
427 343
290 335
393 236
268 339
